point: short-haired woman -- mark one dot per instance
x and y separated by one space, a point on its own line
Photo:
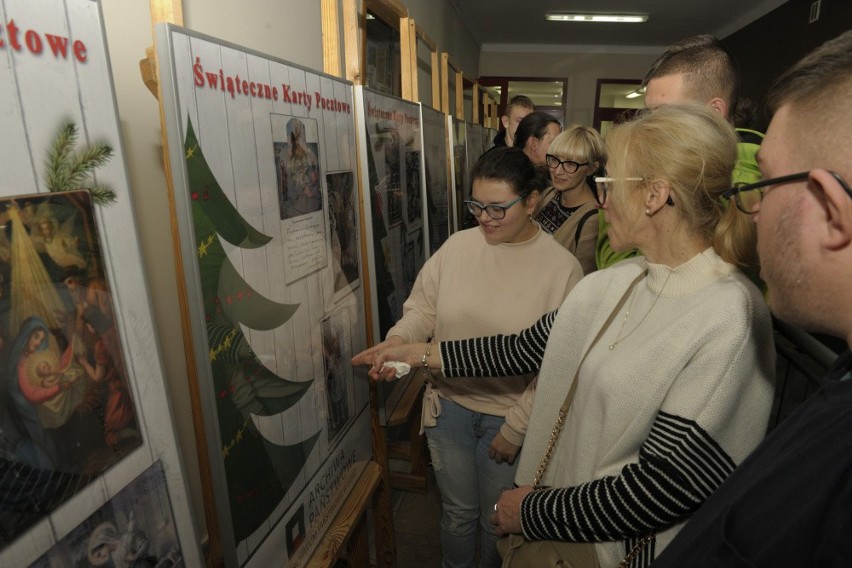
567 208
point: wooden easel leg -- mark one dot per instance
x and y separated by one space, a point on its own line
358 548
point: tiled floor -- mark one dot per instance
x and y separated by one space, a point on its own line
416 521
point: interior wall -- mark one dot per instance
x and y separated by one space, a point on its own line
580 68
442 23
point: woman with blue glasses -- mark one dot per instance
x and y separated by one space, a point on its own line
655 375
493 278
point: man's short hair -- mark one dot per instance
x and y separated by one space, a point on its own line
819 87
709 69
519 101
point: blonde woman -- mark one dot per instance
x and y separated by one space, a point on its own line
567 209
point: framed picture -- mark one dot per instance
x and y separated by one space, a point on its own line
392 141
337 352
263 191
413 195
297 166
68 410
343 218
134 528
83 406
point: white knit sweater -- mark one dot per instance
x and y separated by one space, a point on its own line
657 422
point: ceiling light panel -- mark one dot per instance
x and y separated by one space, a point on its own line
609 18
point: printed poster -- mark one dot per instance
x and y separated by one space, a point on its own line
134 528
397 201
439 211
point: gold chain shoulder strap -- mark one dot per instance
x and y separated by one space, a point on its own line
563 411
634 552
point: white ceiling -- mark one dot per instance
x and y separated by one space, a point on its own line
496 23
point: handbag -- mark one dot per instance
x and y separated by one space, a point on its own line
514 549
517 552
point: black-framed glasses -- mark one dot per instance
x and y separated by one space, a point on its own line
602 186
748 196
494 211
568 166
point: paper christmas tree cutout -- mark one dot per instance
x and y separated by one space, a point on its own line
258 472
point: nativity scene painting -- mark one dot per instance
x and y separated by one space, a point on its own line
66 410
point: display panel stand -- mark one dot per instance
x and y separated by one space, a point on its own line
95 459
346 532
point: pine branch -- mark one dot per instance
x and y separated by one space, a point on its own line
65 171
86 161
58 155
103 195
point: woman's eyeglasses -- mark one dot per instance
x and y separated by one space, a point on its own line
568 166
747 197
601 186
494 211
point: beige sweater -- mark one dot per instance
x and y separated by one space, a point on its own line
470 288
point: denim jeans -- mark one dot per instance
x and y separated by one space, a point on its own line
470 483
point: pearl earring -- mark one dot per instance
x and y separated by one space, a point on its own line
648 212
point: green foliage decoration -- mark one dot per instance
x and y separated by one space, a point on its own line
67 170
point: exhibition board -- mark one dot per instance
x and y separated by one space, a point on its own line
89 454
395 204
263 161
395 211
457 130
436 168
468 141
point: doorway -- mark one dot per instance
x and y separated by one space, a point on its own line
547 94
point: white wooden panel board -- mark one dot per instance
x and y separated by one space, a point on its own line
42 87
237 134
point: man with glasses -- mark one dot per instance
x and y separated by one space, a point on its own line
790 502
697 69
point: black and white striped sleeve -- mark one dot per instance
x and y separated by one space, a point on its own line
679 466
498 355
